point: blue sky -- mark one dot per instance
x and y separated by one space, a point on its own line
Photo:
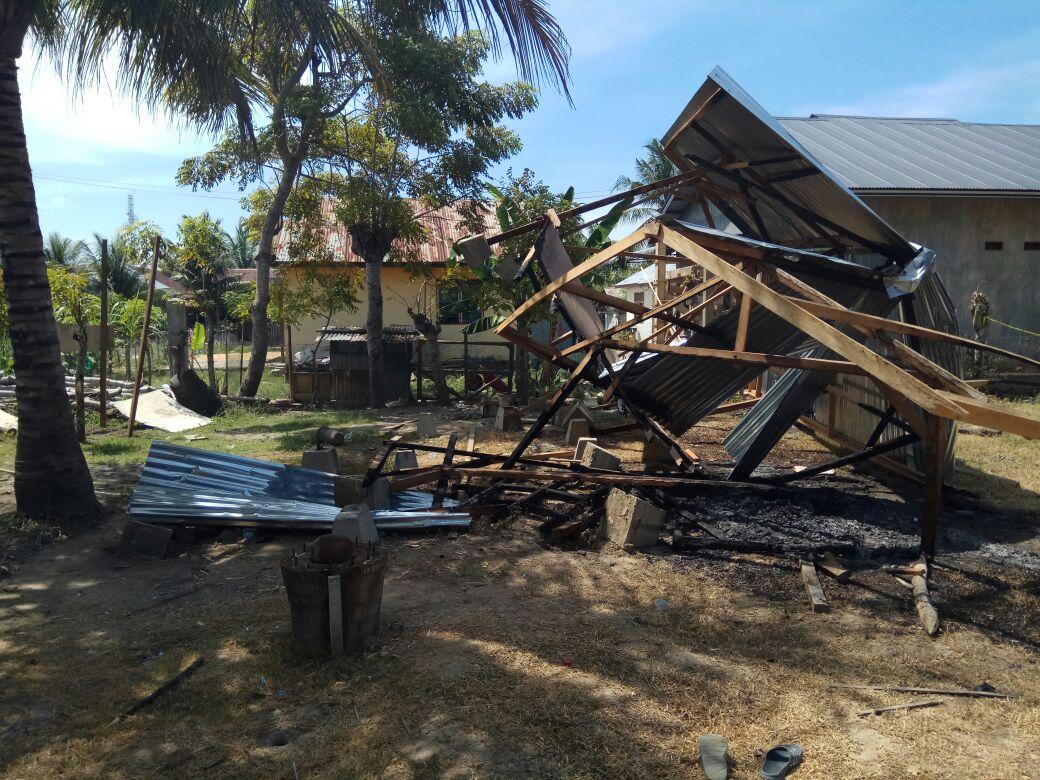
635 65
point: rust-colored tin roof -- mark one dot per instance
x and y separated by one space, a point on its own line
444 226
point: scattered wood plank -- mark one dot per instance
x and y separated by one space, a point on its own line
832 567
169 685
813 587
926 610
606 478
442 482
415 478
376 466
911 570
931 691
913 705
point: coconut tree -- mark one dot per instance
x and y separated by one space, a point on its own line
174 52
63 251
653 167
202 261
242 246
185 55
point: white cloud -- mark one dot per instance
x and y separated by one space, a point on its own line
996 84
65 128
57 202
966 94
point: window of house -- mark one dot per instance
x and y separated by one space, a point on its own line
455 304
637 298
994 246
1031 246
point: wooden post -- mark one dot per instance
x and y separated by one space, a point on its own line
418 371
241 350
934 461
465 364
662 288
289 362
144 336
103 399
512 365
442 483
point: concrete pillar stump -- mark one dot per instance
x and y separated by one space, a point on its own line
631 521
321 460
425 426
577 428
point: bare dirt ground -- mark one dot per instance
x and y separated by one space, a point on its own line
499 657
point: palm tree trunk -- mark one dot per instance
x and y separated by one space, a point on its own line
264 260
374 326
51 475
431 330
211 337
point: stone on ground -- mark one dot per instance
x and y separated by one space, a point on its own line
577 428
321 460
378 496
144 539
508 419
595 457
405 459
582 443
425 426
656 452
631 521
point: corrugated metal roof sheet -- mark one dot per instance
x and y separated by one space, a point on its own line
444 228
679 389
883 153
723 125
188 485
391 334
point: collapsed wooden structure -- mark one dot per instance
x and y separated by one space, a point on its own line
775 282
820 288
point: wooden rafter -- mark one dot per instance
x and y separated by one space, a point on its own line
750 358
813 326
579 270
938 374
646 315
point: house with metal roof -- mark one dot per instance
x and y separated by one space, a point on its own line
409 280
968 191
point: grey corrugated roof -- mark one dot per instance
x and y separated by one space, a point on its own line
884 153
788 184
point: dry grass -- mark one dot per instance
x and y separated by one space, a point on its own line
499 658
1002 469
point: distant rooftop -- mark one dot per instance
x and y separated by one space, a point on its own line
916 154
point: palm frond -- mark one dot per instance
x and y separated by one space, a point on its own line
535 38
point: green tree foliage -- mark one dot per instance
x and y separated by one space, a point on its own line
311 86
123 277
242 245
200 261
75 306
